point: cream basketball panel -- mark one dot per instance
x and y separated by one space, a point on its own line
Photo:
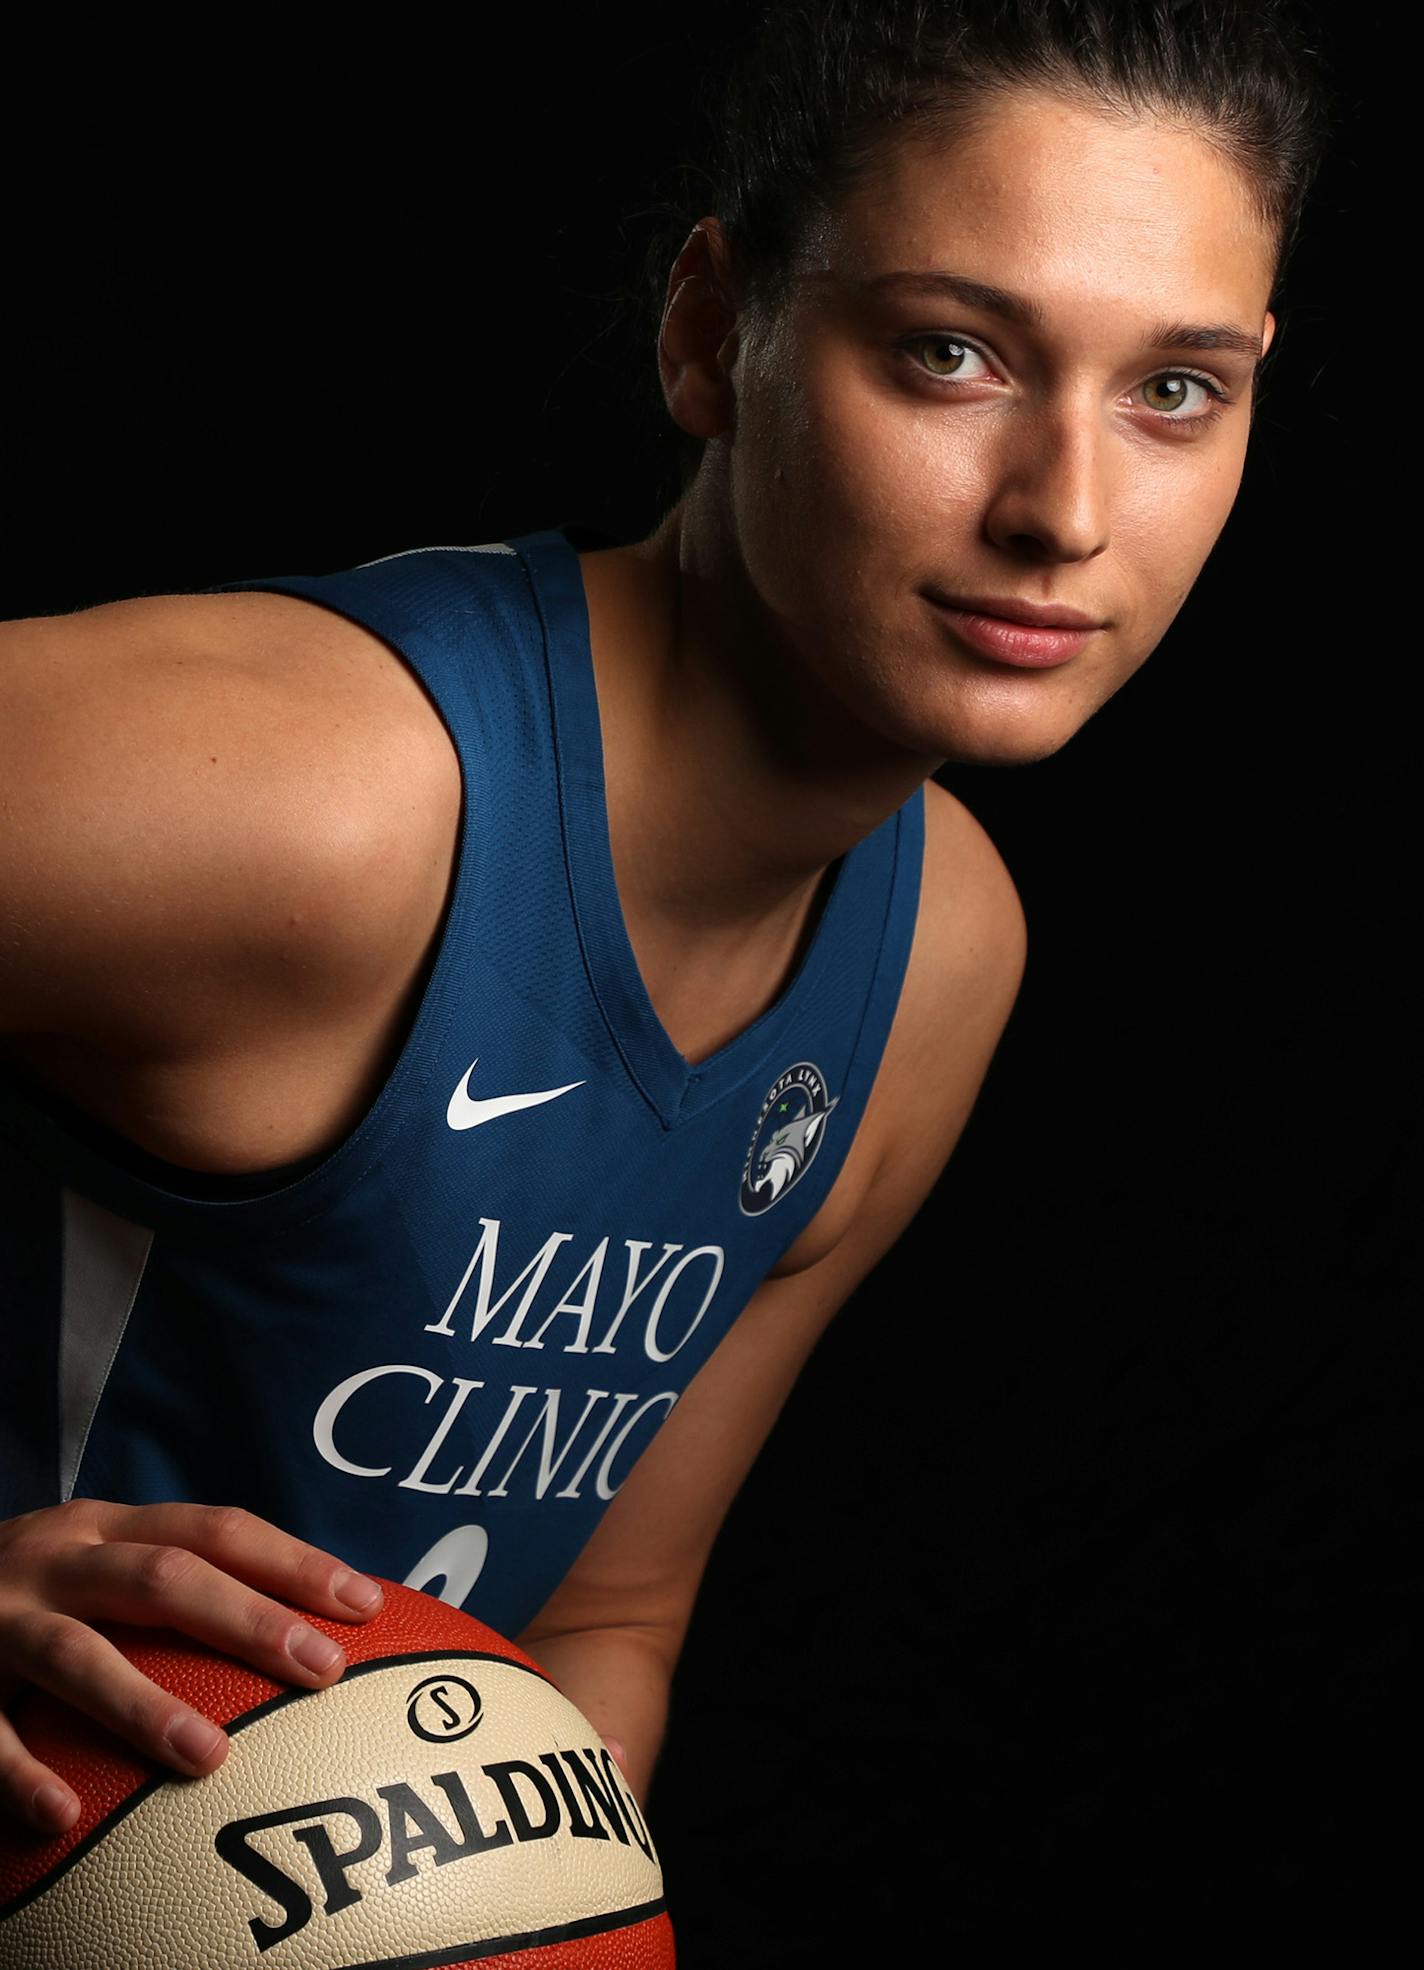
420 1804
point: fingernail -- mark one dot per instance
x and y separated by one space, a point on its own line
194 1739
356 1591
54 1808
315 1652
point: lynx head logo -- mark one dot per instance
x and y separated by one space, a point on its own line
787 1135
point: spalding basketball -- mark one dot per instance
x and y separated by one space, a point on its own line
443 1804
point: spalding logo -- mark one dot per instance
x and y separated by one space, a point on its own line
577 1795
443 1708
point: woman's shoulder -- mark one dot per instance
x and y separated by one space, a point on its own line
970 921
965 967
245 787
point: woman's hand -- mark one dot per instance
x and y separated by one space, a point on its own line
206 1570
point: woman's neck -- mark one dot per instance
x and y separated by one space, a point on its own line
734 779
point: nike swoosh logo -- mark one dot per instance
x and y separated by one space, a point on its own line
466 1113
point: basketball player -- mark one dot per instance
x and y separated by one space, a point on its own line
471 1019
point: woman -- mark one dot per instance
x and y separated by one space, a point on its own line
971 338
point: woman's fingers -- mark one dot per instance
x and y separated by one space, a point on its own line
215 1573
248 1547
173 1587
30 1790
82 1668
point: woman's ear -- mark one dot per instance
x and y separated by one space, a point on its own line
698 339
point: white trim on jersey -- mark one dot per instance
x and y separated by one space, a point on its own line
104 1257
486 547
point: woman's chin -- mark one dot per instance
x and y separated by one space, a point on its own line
1011 745
994 734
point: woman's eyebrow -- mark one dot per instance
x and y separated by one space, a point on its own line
1027 314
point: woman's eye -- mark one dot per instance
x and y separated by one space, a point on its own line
944 355
1175 386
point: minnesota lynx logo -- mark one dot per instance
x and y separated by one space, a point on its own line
787 1135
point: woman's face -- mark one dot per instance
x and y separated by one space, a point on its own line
890 436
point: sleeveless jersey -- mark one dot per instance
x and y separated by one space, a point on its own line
439 1350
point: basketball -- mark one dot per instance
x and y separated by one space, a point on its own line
442 1804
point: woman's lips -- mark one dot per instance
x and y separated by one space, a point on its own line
1013 642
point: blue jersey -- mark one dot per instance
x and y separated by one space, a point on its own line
439 1350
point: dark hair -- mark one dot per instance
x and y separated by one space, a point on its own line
818 89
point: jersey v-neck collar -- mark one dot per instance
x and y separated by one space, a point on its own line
673 1086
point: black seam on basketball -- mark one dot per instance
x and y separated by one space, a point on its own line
276 1702
82 1847
567 1932
150 1785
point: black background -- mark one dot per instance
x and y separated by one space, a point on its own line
1069 1601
